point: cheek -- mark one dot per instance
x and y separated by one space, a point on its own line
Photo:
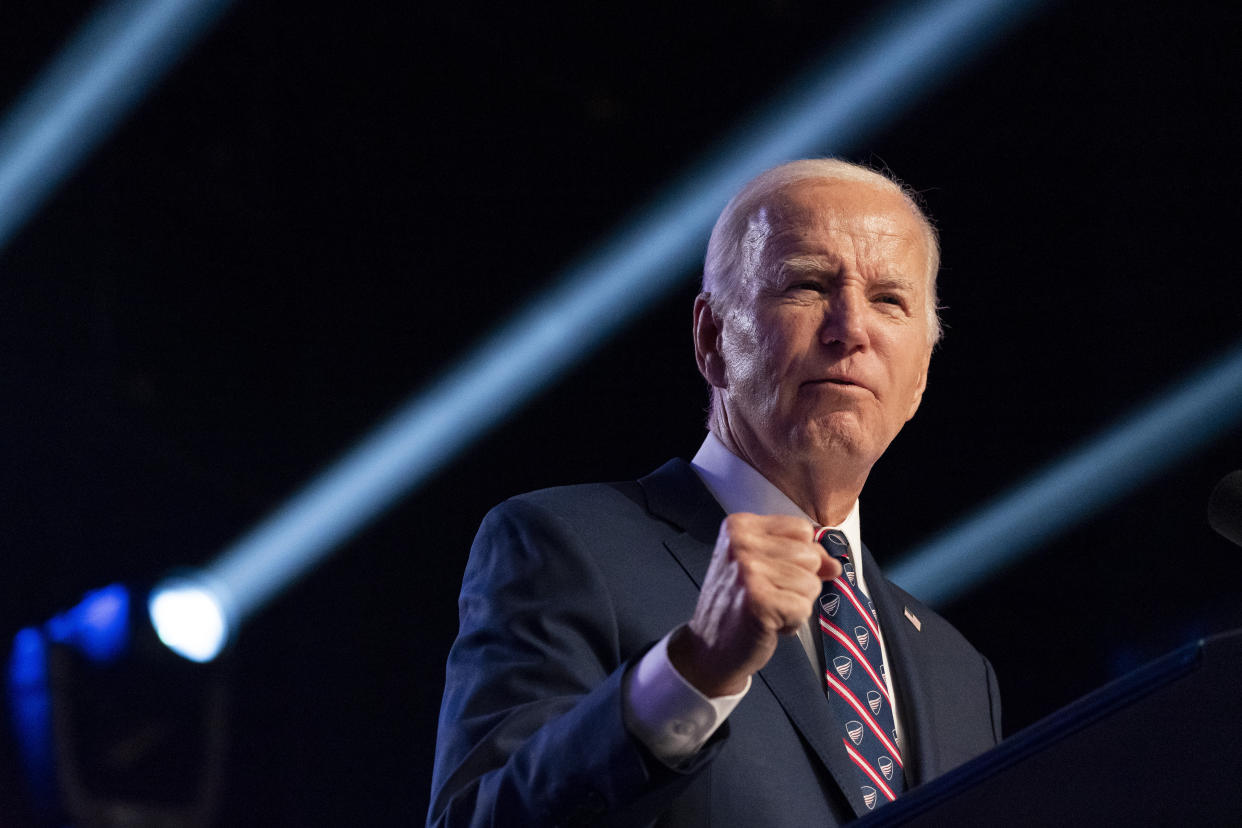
742 365
740 348
762 354
909 370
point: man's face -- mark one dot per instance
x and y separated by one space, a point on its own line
824 353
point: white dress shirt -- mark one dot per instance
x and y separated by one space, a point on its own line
663 710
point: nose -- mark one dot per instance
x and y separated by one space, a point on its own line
845 321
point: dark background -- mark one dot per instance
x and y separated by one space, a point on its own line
325 204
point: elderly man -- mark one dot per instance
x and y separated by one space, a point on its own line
712 644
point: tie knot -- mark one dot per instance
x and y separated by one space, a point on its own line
834 541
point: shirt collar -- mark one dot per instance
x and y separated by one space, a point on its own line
739 487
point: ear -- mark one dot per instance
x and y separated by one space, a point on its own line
920 388
707 342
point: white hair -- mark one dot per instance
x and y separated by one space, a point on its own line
726 247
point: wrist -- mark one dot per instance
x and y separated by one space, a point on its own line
692 659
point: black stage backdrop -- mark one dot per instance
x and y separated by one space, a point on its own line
325 204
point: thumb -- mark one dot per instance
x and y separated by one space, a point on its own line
829 567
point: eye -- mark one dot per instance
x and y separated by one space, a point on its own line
890 299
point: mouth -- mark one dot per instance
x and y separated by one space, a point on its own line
838 382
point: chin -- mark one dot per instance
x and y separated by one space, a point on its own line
833 437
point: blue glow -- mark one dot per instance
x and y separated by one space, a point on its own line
861 86
100 74
98 626
30 704
189 617
1114 463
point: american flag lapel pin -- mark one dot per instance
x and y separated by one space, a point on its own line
913 619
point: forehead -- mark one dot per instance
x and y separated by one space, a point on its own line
853 222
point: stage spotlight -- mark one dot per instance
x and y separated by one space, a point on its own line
189 618
113 728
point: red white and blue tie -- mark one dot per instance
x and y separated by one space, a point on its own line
857 691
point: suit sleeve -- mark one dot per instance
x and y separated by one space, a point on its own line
531 729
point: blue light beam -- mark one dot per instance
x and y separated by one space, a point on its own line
858 89
1114 463
101 73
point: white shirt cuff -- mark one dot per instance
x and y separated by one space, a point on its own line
667 713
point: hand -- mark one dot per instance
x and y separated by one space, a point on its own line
765 576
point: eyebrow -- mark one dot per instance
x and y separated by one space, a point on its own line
828 265
808 264
893 282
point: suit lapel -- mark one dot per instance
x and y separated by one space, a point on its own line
794 684
675 493
905 652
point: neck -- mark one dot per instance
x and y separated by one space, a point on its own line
826 487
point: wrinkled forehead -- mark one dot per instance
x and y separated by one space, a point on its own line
833 218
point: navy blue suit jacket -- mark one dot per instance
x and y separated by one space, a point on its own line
566 588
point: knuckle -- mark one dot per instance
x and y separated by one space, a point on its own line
732 529
746 569
795 525
738 535
815 557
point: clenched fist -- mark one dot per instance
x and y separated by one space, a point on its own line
765 575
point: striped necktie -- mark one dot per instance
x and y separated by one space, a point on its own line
857 691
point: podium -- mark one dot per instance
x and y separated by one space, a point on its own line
1160 746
